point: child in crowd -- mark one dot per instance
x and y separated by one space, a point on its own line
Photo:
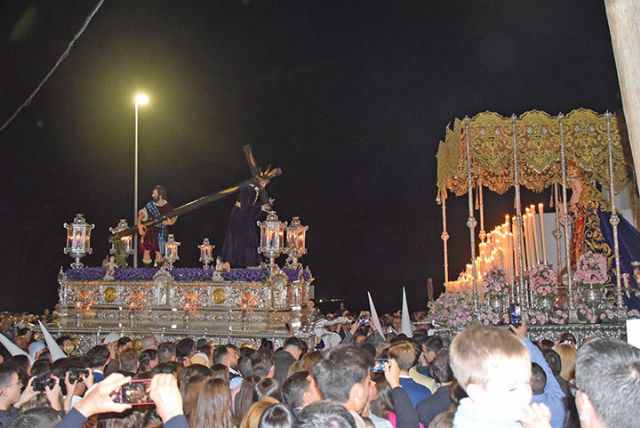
494 368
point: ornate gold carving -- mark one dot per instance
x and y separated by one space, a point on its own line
219 296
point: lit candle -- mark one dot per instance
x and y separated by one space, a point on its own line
534 229
544 244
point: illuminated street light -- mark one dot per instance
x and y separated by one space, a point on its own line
140 100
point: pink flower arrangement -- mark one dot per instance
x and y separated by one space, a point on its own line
452 310
608 315
587 316
591 270
492 318
633 313
543 281
558 317
495 282
537 317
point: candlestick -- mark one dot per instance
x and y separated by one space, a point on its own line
536 240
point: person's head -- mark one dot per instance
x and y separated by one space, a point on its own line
192 371
185 349
538 379
124 343
567 339
257 409
190 390
567 354
148 360
396 322
325 414
214 405
277 416
170 367
554 361
38 417
300 390
404 353
262 364
129 360
343 376
158 193
10 385
294 346
310 359
227 355
268 387
608 381
493 366
22 361
99 357
440 368
166 352
431 346
220 371
545 345
149 342
246 396
381 401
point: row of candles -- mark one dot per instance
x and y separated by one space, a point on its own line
272 241
500 249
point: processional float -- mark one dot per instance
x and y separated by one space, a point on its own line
534 150
232 305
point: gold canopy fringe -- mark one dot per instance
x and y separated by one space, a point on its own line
538 136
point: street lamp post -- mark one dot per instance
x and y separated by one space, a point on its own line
139 100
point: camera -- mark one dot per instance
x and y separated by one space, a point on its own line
135 393
515 315
76 374
42 382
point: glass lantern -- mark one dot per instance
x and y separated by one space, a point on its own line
271 238
78 240
206 253
296 242
127 240
171 251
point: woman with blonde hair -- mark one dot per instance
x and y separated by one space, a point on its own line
253 416
567 354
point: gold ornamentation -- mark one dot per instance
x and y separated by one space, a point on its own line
110 294
538 136
219 296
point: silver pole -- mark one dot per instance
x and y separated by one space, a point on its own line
445 236
516 185
135 191
471 221
614 220
567 218
557 233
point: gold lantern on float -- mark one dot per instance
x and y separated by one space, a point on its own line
78 240
296 242
126 242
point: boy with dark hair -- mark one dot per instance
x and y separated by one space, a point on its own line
185 349
299 390
440 401
99 357
166 352
289 354
11 399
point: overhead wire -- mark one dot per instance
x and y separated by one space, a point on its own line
57 64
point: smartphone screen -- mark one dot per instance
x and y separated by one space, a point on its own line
515 316
379 365
135 393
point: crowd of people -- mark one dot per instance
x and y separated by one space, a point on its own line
482 377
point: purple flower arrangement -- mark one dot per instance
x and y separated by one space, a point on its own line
591 270
543 281
181 274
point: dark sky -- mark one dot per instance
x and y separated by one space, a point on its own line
349 98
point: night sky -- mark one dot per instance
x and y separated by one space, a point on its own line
349 98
